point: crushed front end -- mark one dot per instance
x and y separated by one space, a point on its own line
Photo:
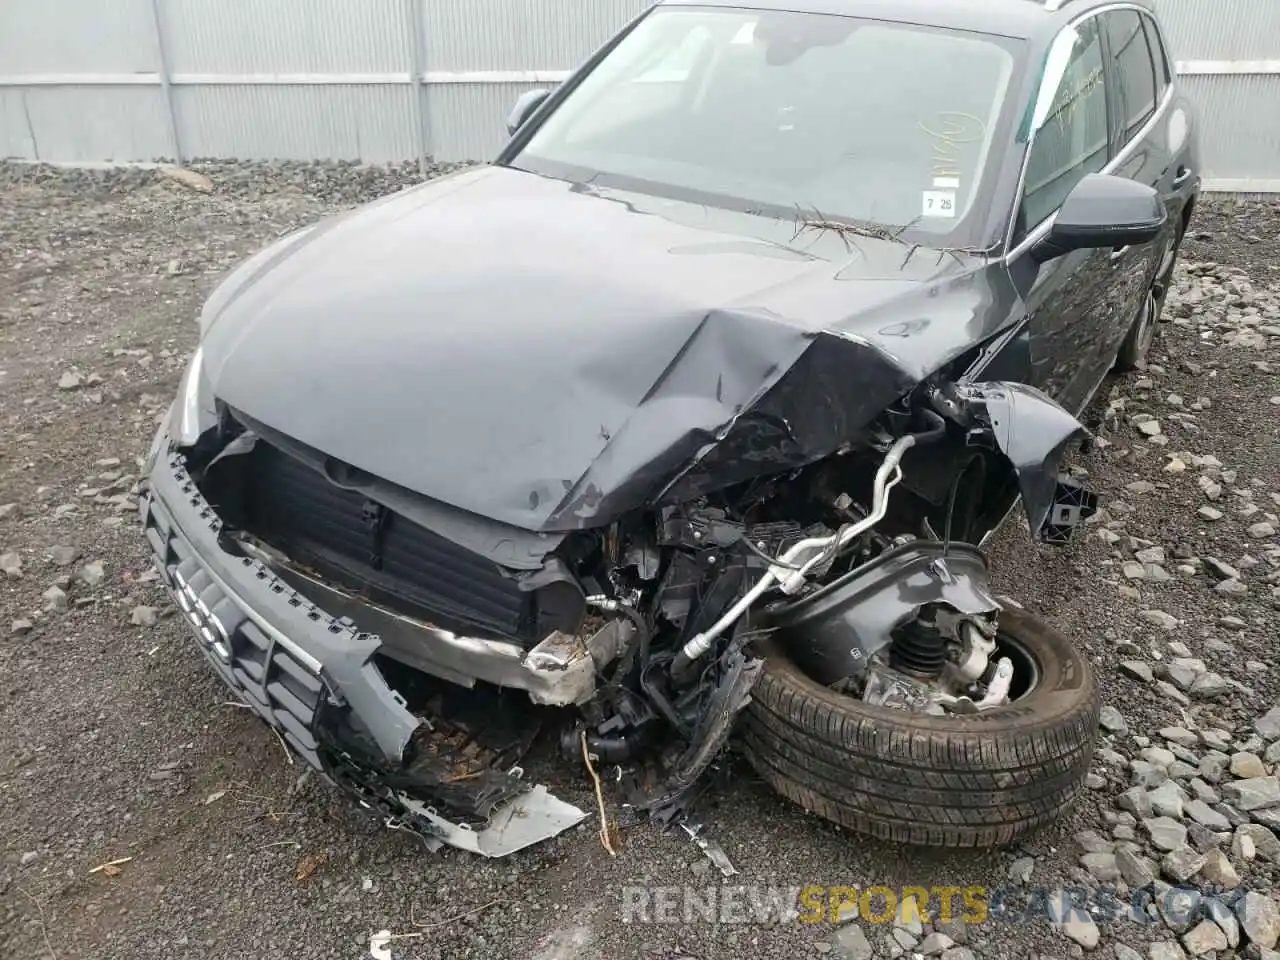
408 648
325 684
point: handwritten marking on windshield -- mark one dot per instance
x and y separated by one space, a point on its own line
1073 100
949 130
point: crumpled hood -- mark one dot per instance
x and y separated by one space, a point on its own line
550 356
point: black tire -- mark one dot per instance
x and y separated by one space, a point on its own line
980 780
1137 343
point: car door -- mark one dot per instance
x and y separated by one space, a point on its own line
1149 147
1142 152
1072 315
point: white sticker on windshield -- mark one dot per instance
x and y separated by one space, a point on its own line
938 203
946 183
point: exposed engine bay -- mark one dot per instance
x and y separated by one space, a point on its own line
862 563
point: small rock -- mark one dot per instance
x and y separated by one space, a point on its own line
1209 513
850 943
1252 794
1124 952
1218 869
1213 766
1140 487
1138 669
1202 813
1268 817
1136 802
91 574
1221 914
1232 588
1149 428
69 381
1265 843
28 858
1150 555
1205 937
958 953
1072 922
1148 775
1259 918
1242 847
1268 725
1165 833
1166 950
20 627
1220 570
1209 686
188 178
11 565
1112 720
1203 839
1159 618
64 556
1020 869
1158 756
934 944
1203 792
1138 872
143 616
1247 765
1101 866
55 598
1180 675
1182 863
1260 531
1167 800
1181 736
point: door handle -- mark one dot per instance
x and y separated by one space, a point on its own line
1117 253
1182 176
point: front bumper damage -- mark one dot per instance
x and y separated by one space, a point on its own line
307 673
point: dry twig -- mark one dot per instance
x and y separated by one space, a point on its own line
112 867
453 919
44 929
288 754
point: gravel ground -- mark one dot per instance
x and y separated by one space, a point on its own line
116 740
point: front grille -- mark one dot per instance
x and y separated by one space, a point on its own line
277 685
386 557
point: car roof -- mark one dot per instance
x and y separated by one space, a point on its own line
1023 19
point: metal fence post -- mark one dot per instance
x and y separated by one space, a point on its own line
166 89
418 84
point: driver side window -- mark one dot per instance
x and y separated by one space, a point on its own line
1072 141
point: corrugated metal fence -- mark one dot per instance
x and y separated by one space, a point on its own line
378 80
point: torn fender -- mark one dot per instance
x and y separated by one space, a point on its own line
1032 431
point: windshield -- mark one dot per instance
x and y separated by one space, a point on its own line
800 115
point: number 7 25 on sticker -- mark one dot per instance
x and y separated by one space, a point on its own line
938 203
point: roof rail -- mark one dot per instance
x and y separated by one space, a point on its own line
1053 6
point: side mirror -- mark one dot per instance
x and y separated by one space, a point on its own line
1104 211
524 108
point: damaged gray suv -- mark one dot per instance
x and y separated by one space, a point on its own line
679 426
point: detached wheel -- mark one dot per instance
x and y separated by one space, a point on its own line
976 780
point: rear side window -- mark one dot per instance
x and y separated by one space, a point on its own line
1164 72
1072 142
1135 69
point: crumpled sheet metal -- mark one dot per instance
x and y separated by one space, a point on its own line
530 818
